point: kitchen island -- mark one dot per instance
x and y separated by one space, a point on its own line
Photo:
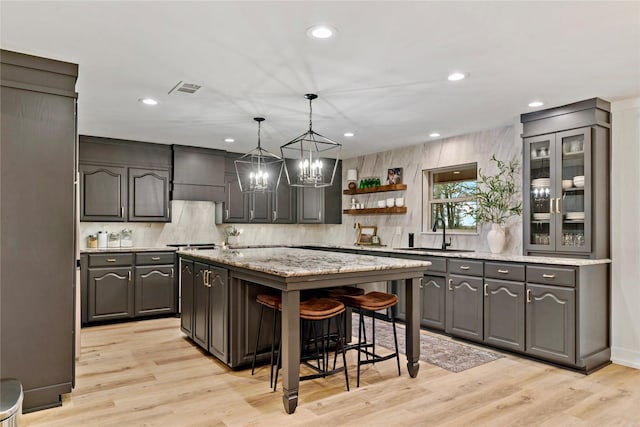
289 270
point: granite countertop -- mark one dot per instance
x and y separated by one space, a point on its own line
297 262
475 255
133 249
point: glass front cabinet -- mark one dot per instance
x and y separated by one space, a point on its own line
566 189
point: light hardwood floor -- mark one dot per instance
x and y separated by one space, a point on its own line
147 373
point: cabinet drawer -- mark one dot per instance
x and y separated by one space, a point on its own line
110 260
551 275
495 270
437 264
466 267
155 258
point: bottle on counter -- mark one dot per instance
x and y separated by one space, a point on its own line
92 241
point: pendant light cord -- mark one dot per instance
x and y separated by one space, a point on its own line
310 113
259 123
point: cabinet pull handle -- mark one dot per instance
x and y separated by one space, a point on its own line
503 271
129 274
549 276
320 215
111 260
226 214
464 267
155 258
450 284
122 211
550 206
421 283
251 215
168 212
558 208
204 278
529 295
275 215
486 290
172 272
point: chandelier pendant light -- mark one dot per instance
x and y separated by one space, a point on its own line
259 171
316 157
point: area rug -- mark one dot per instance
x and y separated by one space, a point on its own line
440 351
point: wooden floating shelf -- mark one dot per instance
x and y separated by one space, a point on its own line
377 189
375 211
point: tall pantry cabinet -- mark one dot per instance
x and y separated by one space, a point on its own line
37 222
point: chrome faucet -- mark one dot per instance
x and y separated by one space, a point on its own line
444 232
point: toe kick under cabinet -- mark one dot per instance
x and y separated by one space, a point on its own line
127 285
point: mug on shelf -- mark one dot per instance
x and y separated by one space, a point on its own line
399 201
390 202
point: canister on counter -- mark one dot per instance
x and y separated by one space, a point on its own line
114 240
92 241
126 238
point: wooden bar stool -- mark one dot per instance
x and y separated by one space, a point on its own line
273 302
318 310
368 304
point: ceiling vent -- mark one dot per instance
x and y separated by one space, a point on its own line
183 87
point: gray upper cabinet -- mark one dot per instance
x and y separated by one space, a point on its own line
236 203
260 207
124 180
310 205
284 203
103 192
149 195
566 180
198 174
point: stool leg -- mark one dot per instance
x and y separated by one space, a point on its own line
342 341
360 328
255 349
395 339
273 344
373 336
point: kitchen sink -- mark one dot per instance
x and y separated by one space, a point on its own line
436 250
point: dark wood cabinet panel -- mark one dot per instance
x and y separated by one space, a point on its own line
155 290
433 293
218 307
186 298
550 322
236 202
260 207
284 203
504 314
111 293
198 173
201 305
103 192
310 205
149 195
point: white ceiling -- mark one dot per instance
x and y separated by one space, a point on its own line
384 76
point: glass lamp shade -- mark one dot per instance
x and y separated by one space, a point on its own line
314 160
352 175
259 171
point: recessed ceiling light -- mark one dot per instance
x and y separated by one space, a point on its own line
456 172
434 135
454 77
349 134
229 140
536 104
148 101
321 32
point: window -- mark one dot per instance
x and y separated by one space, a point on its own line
449 193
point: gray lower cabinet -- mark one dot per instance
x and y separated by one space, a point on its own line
209 314
550 322
464 307
103 191
504 314
149 195
125 285
110 293
433 301
186 298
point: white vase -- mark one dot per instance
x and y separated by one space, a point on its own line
496 238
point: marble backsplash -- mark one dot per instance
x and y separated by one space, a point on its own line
194 222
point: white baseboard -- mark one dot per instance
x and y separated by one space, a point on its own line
626 357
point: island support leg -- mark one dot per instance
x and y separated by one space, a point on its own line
412 292
290 349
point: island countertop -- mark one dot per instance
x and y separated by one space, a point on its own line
297 262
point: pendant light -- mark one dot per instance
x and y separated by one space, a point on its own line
316 157
259 171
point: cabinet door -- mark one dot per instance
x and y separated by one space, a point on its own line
310 205
102 193
186 297
201 305
504 314
218 313
550 323
110 293
260 207
284 203
432 297
149 195
464 307
235 205
155 290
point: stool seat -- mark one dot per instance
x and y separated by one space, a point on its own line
343 290
319 308
373 301
268 300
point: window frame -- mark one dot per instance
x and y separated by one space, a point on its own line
429 201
